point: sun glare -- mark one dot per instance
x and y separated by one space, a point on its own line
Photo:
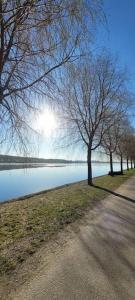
46 122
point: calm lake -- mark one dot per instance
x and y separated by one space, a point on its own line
19 182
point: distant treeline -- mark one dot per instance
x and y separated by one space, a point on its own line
20 159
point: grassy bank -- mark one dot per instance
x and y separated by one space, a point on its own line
26 225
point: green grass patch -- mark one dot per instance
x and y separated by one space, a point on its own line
27 224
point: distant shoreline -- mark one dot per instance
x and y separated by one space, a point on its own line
8 166
16 160
33 160
14 166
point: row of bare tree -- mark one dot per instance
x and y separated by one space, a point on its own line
94 103
119 141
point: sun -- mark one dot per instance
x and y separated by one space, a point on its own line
46 122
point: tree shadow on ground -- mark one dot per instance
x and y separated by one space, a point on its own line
109 248
110 260
114 193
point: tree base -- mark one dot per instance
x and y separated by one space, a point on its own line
115 173
90 183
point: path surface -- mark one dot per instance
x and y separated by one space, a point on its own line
99 262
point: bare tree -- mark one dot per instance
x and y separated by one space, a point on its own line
117 132
91 96
124 147
128 143
131 150
36 38
110 141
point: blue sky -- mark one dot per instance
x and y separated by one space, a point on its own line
119 37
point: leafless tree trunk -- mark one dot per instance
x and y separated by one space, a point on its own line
89 166
111 163
121 163
127 164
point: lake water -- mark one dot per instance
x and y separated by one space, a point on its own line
19 182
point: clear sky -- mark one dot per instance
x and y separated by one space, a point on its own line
119 37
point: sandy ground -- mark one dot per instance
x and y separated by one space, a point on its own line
97 260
